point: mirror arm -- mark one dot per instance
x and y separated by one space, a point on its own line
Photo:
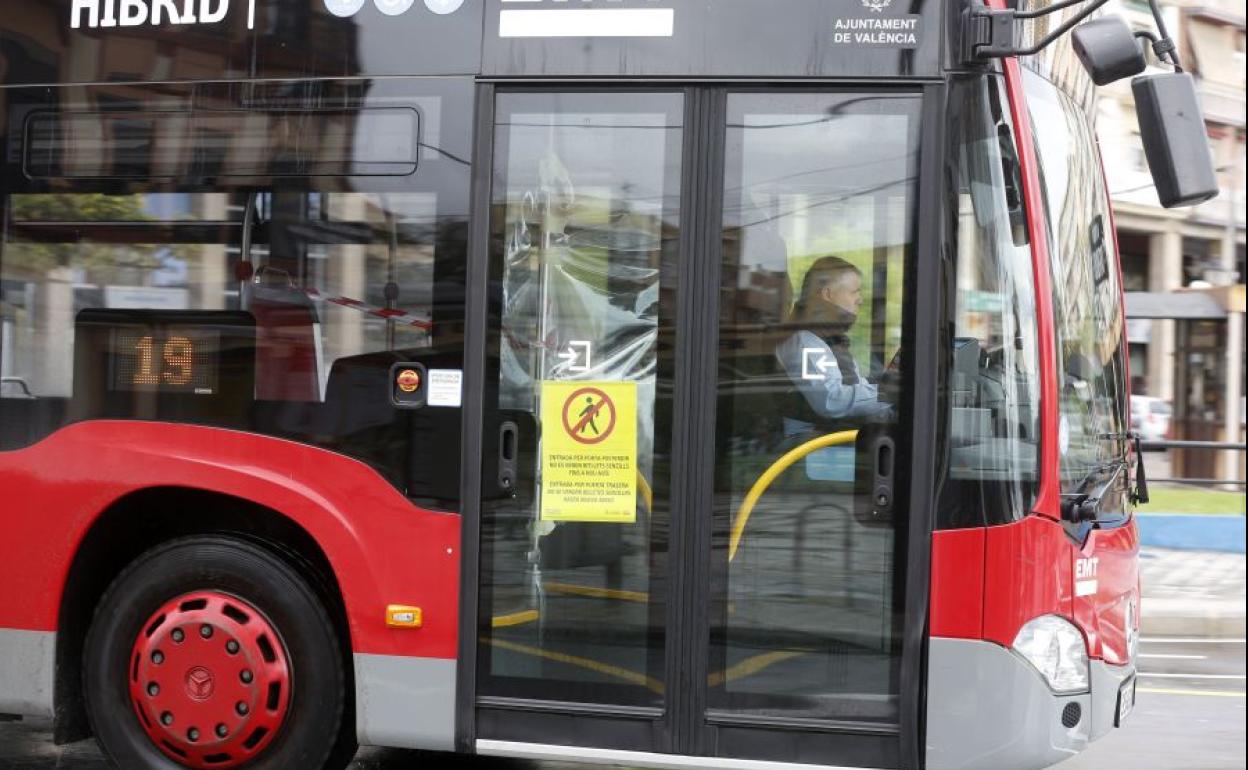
1163 45
988 33
1046 10
1162 48
1065 27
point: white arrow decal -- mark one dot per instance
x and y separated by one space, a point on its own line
818 358
578 350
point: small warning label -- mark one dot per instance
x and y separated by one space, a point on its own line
446 387
589 451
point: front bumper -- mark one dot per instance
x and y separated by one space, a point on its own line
1106 682
988 709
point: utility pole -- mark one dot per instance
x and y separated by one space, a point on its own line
1234 321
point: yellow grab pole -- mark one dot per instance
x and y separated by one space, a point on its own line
647 494
769 475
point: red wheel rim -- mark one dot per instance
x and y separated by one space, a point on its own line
210 680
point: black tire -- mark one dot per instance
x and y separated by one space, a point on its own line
311 734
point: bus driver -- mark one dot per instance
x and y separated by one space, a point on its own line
817 357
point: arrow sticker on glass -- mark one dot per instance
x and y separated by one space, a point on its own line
815 363
578 355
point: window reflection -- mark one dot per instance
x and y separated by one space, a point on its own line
993 383
125 143
319 283
585 224
1086 292
817 234
292 280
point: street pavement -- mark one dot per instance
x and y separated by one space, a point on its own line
1189 714
1192 593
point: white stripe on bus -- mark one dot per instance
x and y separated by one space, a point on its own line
587 22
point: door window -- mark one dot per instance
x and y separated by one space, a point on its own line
584 224
817 235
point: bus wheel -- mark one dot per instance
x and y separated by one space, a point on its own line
211 652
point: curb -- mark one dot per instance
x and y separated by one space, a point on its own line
1192 532
1222 618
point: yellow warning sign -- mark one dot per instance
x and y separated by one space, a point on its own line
589 451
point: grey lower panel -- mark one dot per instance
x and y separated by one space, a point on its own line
27 671
988 709
403 702
1106 680
547 752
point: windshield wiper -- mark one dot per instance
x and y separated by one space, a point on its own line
1139 493
1120 436
1084 505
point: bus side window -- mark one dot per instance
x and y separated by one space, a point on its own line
993 382
288 267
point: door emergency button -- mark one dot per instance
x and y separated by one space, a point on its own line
407 385
408 380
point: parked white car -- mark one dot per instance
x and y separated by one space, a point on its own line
1150 417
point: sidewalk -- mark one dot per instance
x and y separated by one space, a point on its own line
1192 593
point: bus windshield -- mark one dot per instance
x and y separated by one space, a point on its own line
1087 295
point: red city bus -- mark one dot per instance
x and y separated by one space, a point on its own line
669 384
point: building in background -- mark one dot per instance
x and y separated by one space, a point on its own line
1184 268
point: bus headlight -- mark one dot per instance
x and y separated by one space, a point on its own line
1055 647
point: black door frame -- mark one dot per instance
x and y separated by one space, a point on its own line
681 728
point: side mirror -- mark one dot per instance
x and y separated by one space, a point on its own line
1108 49
1172 130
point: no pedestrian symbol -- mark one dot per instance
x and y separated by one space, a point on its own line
589 415
589 451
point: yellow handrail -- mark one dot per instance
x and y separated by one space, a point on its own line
647 494
769 475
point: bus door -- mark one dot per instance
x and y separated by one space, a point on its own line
694 377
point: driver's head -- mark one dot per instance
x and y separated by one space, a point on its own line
830 284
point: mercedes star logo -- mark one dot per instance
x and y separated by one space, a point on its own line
199 683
